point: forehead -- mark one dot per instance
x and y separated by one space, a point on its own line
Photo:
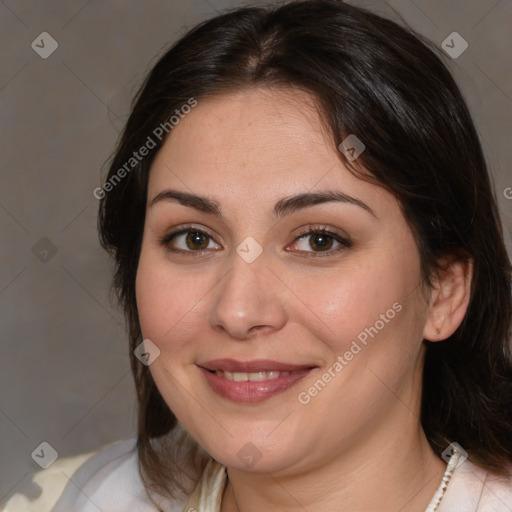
264 143
250 126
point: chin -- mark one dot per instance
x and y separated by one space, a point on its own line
254 457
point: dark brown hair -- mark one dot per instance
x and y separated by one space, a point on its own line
372 78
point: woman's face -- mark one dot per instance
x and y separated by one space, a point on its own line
244 290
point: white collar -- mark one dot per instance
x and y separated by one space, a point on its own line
460 490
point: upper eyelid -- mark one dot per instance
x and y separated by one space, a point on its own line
188 229
303 231
320 228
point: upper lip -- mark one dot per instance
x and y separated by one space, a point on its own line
257 365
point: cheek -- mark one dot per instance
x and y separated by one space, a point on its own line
360 301
167 300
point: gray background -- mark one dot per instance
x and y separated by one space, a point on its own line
64 374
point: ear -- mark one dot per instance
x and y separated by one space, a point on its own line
449 299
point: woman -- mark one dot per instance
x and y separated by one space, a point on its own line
311 262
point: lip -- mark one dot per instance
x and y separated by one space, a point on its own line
257 365
252 391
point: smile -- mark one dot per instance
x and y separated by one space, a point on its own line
253 381
253 377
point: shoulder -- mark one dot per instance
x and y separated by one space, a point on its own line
497 492
106 479
473 488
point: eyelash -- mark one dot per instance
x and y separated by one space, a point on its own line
309 230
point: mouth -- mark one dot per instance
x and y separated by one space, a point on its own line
251 381
252 376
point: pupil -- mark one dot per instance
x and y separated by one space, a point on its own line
196 239
322 241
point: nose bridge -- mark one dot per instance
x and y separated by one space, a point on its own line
248 296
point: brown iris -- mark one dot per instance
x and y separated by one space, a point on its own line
321 241
196 240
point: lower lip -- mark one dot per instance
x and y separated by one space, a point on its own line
249 391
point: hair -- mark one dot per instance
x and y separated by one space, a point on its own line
374 79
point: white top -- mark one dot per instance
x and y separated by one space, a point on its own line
108 481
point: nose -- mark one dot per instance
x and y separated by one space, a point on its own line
248 301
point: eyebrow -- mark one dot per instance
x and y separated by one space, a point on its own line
282 208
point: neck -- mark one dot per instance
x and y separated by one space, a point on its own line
397 472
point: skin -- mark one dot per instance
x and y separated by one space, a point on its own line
358 442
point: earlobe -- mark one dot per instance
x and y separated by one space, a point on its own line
450 298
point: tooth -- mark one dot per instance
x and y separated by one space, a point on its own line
258 376
253 376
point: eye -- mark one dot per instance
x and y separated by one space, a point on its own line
316 241
188 239
321 241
